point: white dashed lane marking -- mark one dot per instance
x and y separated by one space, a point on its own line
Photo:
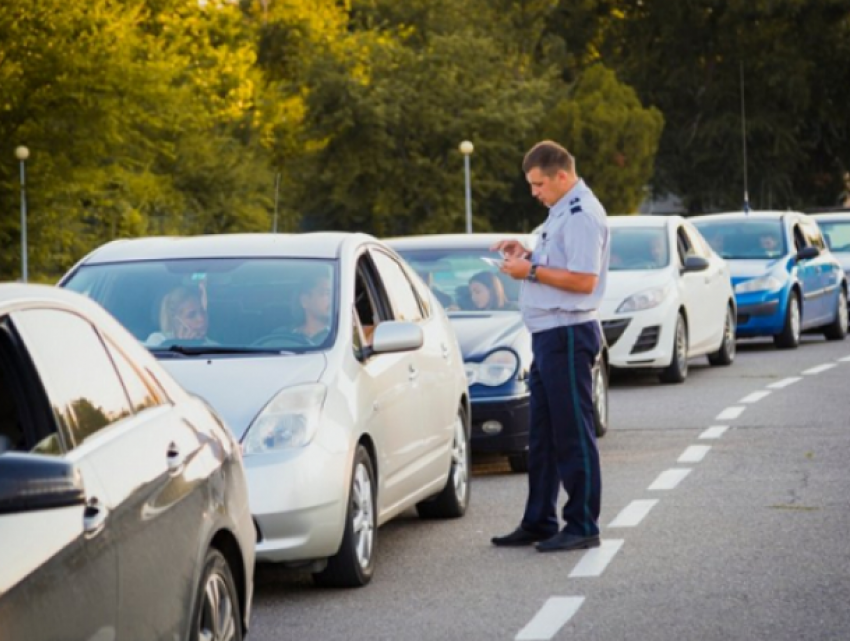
715 431
755 397
694 454
785 382
594 561
669 479
729 413
819 368
551 618
846 359
633 513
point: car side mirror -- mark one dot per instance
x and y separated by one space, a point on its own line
34 482
695 264
396 336
808 252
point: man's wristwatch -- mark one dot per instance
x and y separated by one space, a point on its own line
532 274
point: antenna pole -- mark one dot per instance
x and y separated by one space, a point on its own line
276 192
744 139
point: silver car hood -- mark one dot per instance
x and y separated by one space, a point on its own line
238 388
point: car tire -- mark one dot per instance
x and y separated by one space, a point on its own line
353 565
453 500
600 399
726 354
837 329
789 337
217 612
519 462
677 370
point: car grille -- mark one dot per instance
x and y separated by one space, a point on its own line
613 329
743 319
647 340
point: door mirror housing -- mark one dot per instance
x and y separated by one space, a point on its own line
34 482
695 264
808 252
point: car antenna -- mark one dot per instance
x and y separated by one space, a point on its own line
744 139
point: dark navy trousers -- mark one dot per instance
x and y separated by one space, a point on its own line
562 449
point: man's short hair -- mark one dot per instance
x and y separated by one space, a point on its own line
549 157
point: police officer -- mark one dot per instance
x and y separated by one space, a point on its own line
563 281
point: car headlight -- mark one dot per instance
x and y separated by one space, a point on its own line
764 283
647 299
497 369
289 420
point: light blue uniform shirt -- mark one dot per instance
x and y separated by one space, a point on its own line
575 237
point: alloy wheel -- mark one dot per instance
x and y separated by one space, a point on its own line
363 516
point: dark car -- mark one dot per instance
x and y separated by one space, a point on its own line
496 345
123 499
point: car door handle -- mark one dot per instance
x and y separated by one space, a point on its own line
94 517
174 459
412 371
445 351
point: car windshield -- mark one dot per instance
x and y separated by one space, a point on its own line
466 279
637 248
218 306
744 238
837 234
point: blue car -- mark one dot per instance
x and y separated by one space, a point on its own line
482 306
785 278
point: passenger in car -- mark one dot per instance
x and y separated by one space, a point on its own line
182 316
314 297
487 292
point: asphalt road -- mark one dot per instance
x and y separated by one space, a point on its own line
726 515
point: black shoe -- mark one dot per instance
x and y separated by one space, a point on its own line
518 537
564 541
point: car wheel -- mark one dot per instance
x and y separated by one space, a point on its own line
677 371
217 614
789 337
837 329
726 354
352 566
600 398
453 500
518 462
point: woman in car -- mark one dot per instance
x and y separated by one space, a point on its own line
487 292
181 317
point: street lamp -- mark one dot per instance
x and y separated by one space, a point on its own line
22 153
466 149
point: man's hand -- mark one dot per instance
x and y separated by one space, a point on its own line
517 267
510 248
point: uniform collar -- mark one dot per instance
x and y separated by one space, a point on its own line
563 205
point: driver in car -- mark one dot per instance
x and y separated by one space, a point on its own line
314 298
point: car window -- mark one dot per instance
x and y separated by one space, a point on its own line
745 238
143 394
638 248
78 375
812 233
236 303
12 435
450 274
697 242
405 303
836 234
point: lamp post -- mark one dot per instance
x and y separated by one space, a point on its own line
466 149
22 153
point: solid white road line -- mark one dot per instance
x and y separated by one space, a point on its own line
785 382
551 618
694 454
715 431
755 397
729 413
669 479
846 359
633 513
594 561
819 368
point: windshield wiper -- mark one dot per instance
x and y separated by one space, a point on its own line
203 350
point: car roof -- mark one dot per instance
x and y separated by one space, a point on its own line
839 214
308 245
740 215
642 221
14 295
451 241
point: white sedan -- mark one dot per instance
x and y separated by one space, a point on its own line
668 298
332 362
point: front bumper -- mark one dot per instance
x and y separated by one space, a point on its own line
761 313
641 339
512 412
298 501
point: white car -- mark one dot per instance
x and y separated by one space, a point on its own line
669 298
836 232
331 361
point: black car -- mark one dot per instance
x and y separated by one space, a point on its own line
495 343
